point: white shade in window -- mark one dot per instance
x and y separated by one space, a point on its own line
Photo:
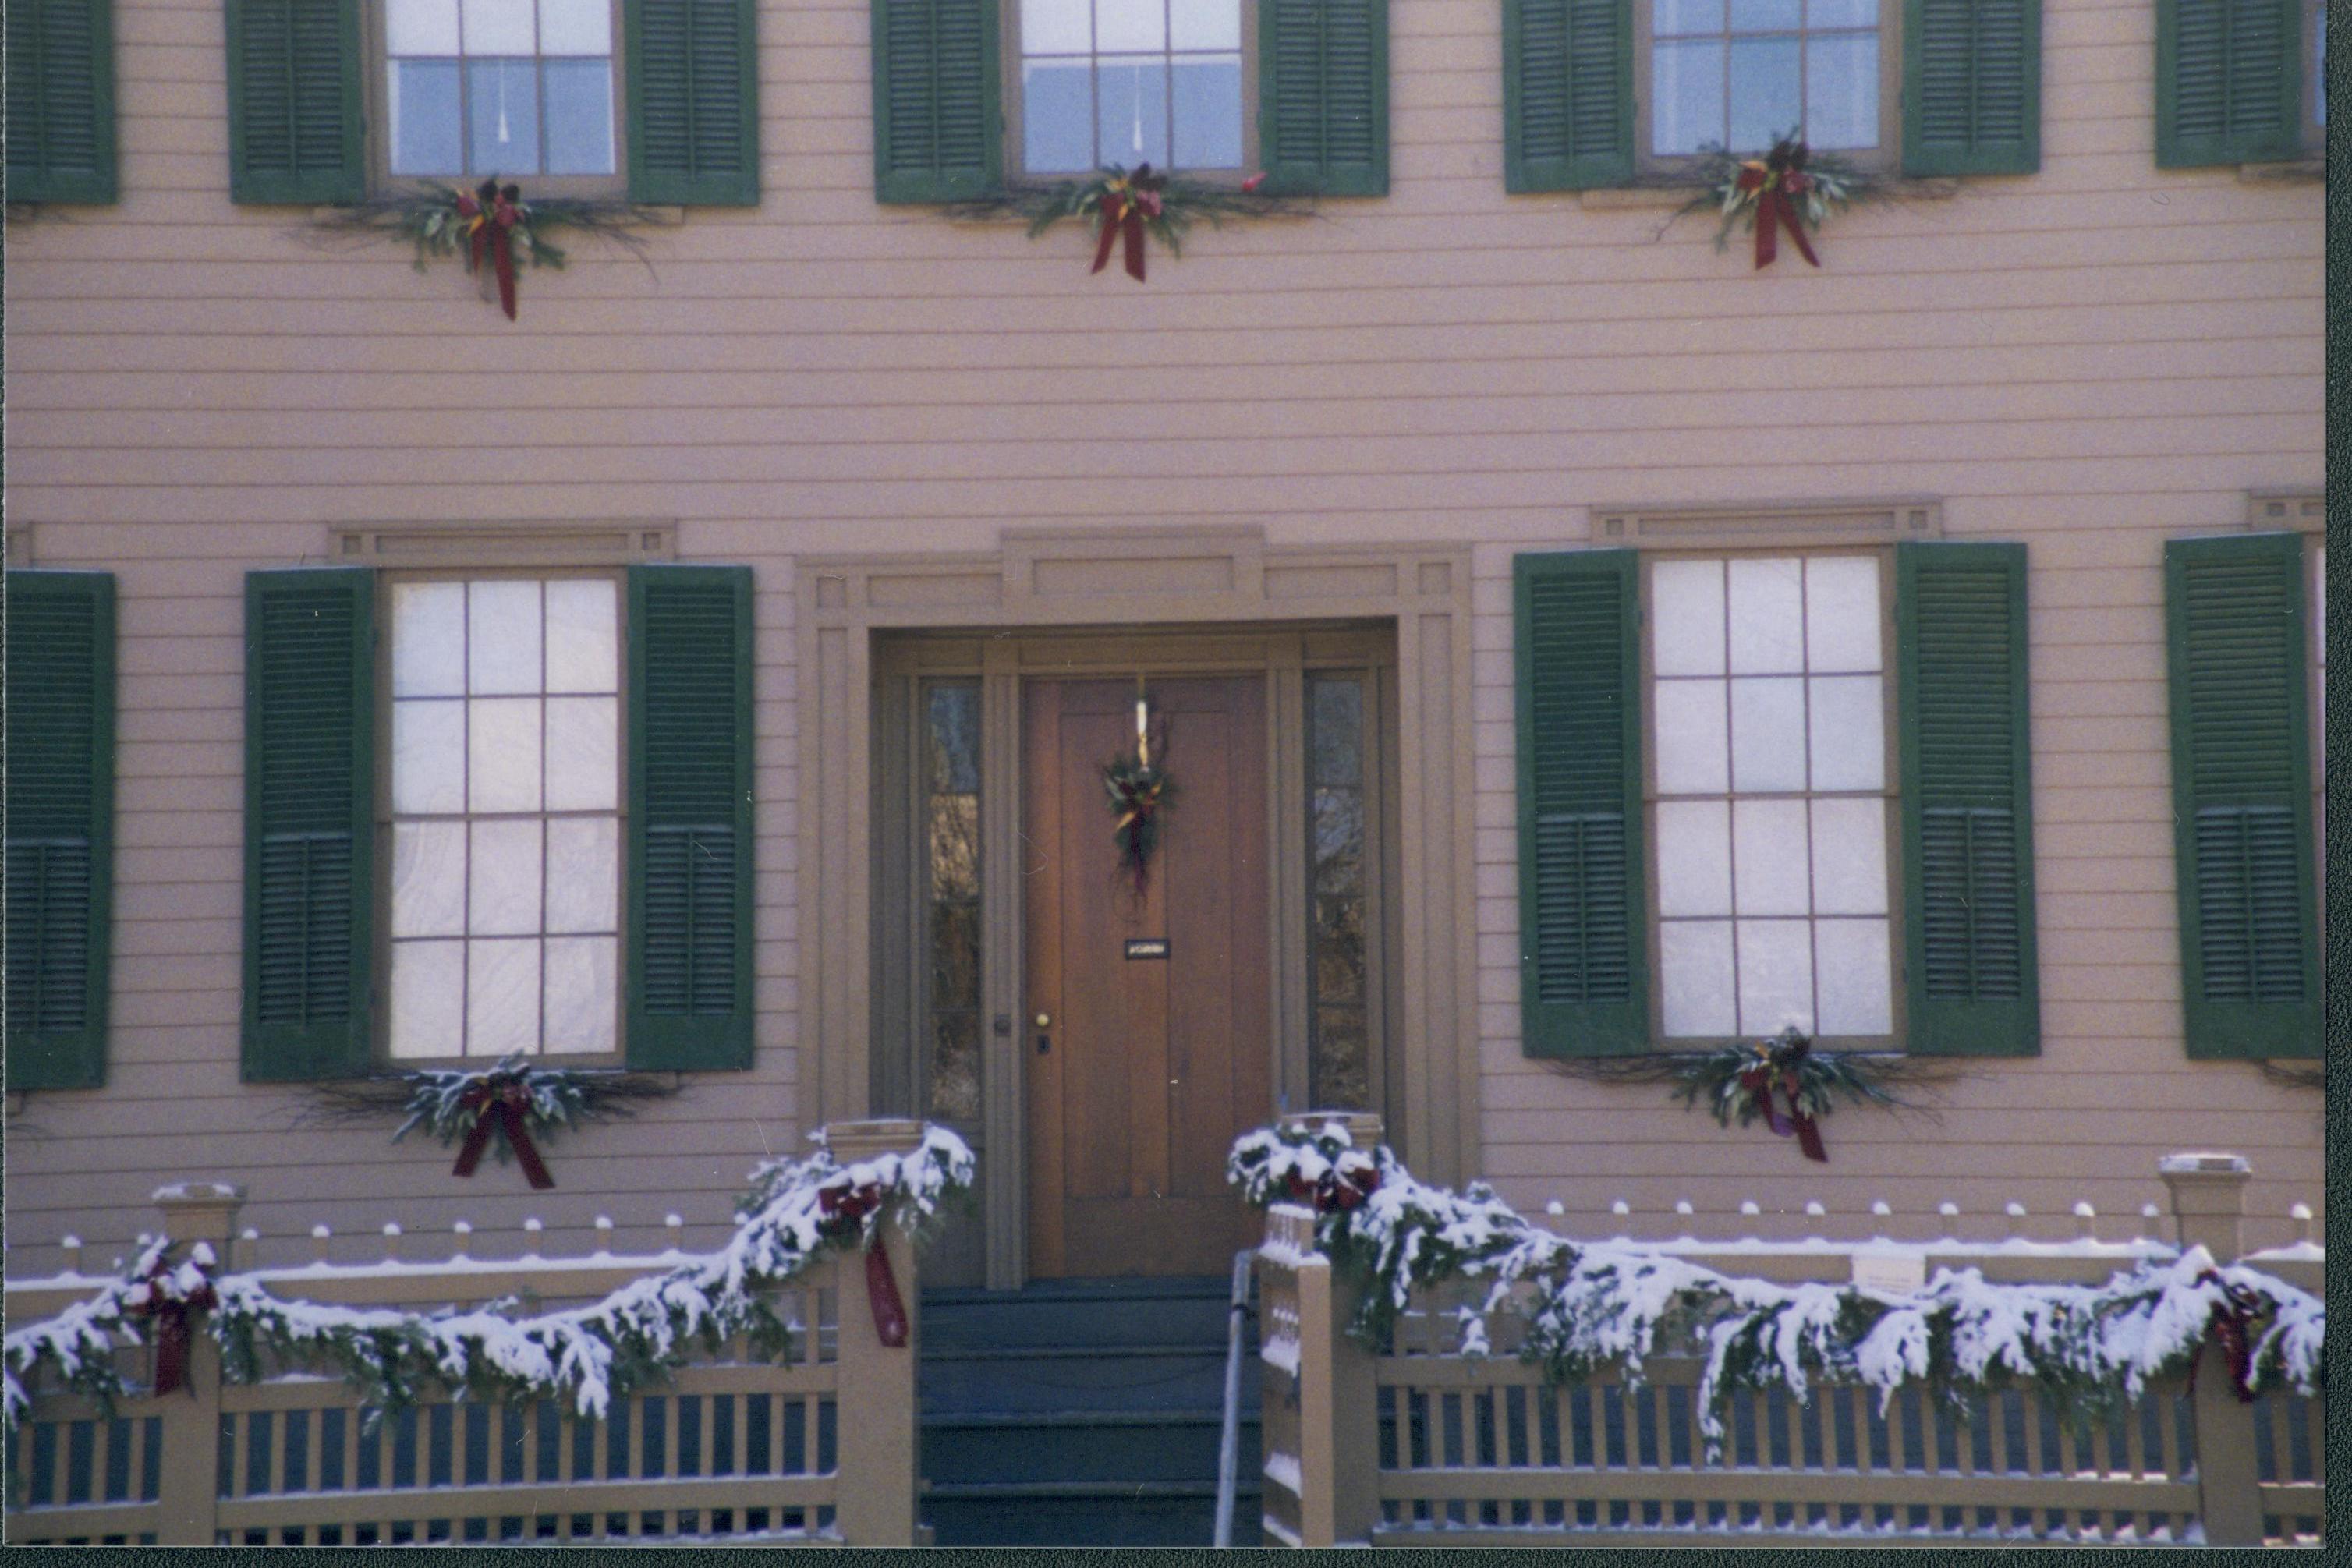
502 996
1694 976
1776 976
428 639
1768 733
1848 729
574 27
582 874
1687 618
428 757
420 26
580 993
1693 750
500 27
1768 615
502 638
1204 24
1857 996
1842 615
1130 25
1849 856
428 998
428 879
582 757
581 642
1693 858
502 772
1056 26
1769 858
503 874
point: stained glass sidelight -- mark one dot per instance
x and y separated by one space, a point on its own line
1339 897
951 899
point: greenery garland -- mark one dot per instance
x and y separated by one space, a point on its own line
1139 791
1791 187
521 1102
585 1356
1119 206
1588 1305
492 224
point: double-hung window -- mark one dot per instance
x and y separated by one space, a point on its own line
498 813
1130 81
1765 789
505 88
1739 74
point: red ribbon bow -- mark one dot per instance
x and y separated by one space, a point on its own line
491 215
1778 1074
2232 1323
846 1209
1776 179
1329 1192
498 1103
1128 199
171 1315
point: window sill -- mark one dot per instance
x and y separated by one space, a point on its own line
2310 169
653 215
1662 192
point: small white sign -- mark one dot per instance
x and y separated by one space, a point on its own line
1894 1273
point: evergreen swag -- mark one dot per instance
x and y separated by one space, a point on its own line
1121 207
584 1356
1586 1305
516 1100
1791 187
490 225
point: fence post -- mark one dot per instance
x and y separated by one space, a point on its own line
188 1489
2208 1205
1338 1388
877 1464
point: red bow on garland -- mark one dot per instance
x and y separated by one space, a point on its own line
171 1314
1776 179
1126 202
845 1208
2232 1323
1775 1074
491 215
498 1103
1331 1192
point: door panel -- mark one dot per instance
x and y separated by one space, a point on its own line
1150 1067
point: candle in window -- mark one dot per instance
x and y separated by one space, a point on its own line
1142 731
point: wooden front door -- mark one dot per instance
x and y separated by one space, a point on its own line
1145 1067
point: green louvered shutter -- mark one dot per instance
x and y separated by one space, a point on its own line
694 101
938 133
1568 94
1971 87
309 822
294 118
60 807
2241 795
1323 97
689 942
2228 81
1583 947
60 83
1967 798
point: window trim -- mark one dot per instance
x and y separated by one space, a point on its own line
1015 106
1885 158
1890 792
376 94
381 810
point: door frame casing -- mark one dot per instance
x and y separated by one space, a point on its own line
1108 579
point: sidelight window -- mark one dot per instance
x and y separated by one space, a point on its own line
951 881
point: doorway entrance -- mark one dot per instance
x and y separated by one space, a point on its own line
1148 1044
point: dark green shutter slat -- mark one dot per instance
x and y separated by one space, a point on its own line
938 133
1568 94
689 968
1583 947
309 822
61 85
294 118
2242 785
2228 81
60 807
1971 87
1323 97
1966 799
693 101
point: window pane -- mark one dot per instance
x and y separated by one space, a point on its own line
422 108
428 757
502 98
1204 23
955 955
502 755
1856 990
1056 27
1336 731
1341 1074
955 1067
1339 951
581 997
1764 15
1693 858
502 996
579 116
1768 733
1694 977
1849 732
582 874
1850 856
428 879
1687 618
1767 616
1764 92
1687 112
582 754
1776 976
499 28
1056 118
420 26
580 636
428 996
502 881
1841 13
1122 26
1686 17
573 26
1693 756
1133 94
1842 90
428 639
1771 873
955 715
955 846
502 637
1208 113
1841 614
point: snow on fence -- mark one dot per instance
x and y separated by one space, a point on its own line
1420 1445
732 1448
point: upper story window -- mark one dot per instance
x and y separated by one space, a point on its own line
1130 82
504 88
1739 74
505 885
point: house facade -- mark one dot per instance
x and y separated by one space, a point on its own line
1566 637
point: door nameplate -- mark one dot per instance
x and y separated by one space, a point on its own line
1146 948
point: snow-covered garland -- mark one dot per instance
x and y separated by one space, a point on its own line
796 1212
1587 1305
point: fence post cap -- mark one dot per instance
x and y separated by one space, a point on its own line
1365 1130
2208 1165
199 1210
852 1141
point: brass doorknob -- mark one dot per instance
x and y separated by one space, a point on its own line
1045 1021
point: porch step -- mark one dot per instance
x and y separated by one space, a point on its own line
1062 1446
1103 1514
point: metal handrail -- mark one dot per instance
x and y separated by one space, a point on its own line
1229 1442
